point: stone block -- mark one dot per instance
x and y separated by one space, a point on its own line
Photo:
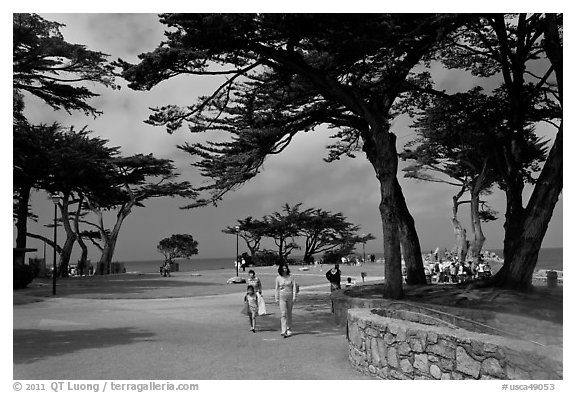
466 364
375 352
406 367
395 374
445 364
392 357
372 369
416 345
432 338
491 366
389 338
435 371
401 334
370 331
446 377
367 342
477 348
421 363
357 357
457 376
446 342
489 347
441 350
355 335
383 351
404 349
516 373
393 328
384 373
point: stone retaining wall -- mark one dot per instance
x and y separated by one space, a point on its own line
481 321
391 348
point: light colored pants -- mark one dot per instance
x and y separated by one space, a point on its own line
286 304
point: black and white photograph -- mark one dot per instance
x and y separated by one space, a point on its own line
265 198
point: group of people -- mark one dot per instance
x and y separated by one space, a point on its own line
165 269
285 290
459 272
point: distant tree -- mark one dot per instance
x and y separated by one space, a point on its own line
324 231
80 165
251 231
132 181
55 71
32 150
289 73
59 161
178 246
282 227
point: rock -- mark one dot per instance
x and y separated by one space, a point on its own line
421 363
492 367
406 366
435 371
375 351
466 364
355 335
392 357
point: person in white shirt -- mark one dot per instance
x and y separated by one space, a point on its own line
285 295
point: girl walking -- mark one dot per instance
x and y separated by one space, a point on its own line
252 303
257 284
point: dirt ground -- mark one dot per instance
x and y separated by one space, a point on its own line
540 302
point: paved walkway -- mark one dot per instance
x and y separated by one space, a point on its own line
188 338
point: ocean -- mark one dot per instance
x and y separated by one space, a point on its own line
548 259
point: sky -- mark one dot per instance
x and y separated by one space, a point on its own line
298 175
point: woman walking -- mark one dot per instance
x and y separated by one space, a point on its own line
285 295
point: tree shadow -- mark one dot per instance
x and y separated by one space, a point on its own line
31 345
108 287
312 315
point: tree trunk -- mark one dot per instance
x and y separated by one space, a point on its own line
110 244
22 215
521 250
479 238
70 238
461 240
459 231
82 263
415 274
381 152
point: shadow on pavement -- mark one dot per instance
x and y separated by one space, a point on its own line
31 345
311 316
125 287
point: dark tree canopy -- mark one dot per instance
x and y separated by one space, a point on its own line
287 73
178 246
56 71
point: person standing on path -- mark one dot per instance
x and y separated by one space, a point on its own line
285 295
257 284
333 275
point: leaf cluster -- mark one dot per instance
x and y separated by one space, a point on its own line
54 70
178 246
